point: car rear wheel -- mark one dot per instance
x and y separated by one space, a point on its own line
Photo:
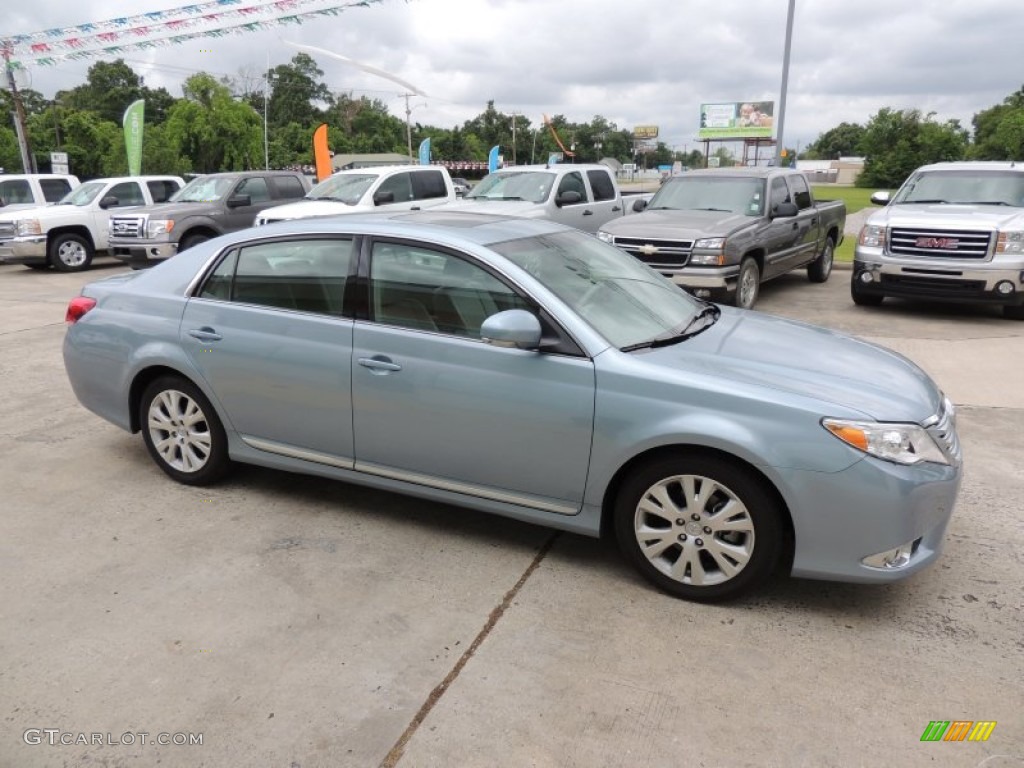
70 253
699 527
182 432
862 299
819 269
748 284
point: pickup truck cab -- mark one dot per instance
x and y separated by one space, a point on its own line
721 232
953 232
68 234
582 196
207 207
358 190
31 190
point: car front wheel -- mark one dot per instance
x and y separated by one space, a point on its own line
748 284
182 432
699 527
70 253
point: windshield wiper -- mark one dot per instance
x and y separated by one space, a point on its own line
688 331
331 199
722 210
925 202
987 202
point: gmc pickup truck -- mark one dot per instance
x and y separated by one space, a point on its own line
31 190
581 196
953 231
721 233
208 206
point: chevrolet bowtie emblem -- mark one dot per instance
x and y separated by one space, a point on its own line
648 250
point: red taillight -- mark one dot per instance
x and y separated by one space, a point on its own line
77 307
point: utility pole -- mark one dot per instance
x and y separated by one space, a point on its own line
408 124
514 116
19 116
779 138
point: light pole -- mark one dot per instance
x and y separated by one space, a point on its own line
785 84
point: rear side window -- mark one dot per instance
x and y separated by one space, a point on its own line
801 192
601 184
288 187
161 189
54 189
428 184
15 192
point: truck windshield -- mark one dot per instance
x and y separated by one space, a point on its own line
205 189
622 299
973 187
346 188
532 186
83 194
733 194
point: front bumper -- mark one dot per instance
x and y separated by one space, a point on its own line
713 279
24 250
994 282
142 253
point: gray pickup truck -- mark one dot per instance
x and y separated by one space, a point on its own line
721 233
208 206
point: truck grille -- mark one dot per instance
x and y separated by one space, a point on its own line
939 287
942 427
940 243
670 254
127 227
6 230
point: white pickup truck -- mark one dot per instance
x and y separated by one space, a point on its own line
31 190
953 232
68 234
393 187
584 196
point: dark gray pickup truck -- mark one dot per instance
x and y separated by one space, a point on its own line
721 233
206 207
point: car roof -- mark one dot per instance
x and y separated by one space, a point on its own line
757 171
974 165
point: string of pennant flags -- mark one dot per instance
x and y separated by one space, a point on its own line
158 29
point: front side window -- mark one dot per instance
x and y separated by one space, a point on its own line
398 185
255 187
127 193
780 192
428 290
299 275
573 182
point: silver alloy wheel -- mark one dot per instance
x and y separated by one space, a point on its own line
72 253
826 257
179 431
747 289
694 530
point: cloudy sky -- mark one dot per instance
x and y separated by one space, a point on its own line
634 63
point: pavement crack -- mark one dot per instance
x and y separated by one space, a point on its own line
396 752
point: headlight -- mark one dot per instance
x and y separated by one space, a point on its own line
606 237
157 227
713 243
708 259
899 443
1010 242
27 227
872 236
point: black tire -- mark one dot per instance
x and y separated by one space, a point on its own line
748 284
1013 312
193 453
70 253
819 269
862 299
190 240
681 552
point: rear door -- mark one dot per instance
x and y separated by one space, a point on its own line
429 188
579 215
808 221
606 203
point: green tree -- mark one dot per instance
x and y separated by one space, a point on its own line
10 154
896 142
296 93
999 130
842 141
109 88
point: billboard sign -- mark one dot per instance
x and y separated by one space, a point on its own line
645 132
737 120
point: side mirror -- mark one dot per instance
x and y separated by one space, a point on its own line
383 197
784 210
880 198
239 201
639 205
568 198
109 202
512 328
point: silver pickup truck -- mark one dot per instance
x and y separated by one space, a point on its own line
721 233
953 231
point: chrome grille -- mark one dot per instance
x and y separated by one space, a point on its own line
657 253
942 427
6 230
940 243
127 227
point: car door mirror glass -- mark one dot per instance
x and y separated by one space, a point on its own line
880 198
639 205
569 197
383 197
109 202
784 210
239 201
512 328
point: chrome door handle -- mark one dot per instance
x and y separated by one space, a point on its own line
206 333
379 364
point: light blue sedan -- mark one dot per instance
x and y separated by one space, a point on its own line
529 370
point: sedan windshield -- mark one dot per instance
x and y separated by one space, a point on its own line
205 189
966 187
346 188
624 300
83 194
731 194
532 186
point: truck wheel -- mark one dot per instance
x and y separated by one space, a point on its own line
748 285
189 240
819 269
70 253
862 299
1013 312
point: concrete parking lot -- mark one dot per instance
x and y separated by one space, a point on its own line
295 622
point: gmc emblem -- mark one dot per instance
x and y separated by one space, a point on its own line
938 242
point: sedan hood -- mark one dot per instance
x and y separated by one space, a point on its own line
763 350
522 208
308 208
674 224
